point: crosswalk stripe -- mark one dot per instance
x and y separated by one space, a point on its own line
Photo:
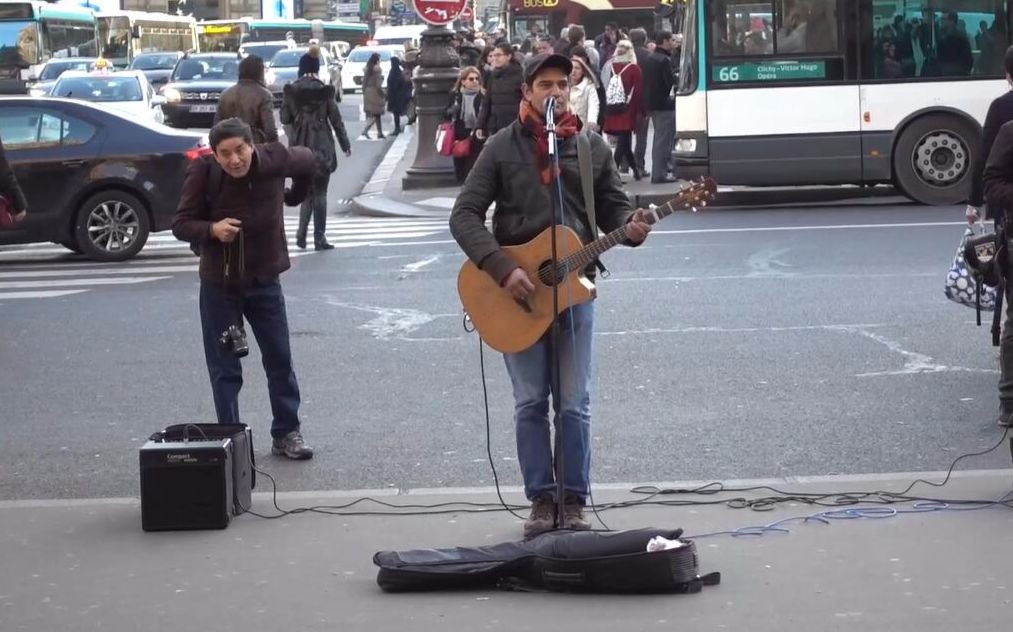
40 294
15 285
35 274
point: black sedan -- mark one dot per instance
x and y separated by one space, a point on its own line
96 182
196 85
157 67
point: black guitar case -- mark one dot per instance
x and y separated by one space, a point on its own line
558 561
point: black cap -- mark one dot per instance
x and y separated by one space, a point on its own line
537 63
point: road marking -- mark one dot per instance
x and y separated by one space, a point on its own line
29 274
764 229
78 282
40 294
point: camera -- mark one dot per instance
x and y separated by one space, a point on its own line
235 339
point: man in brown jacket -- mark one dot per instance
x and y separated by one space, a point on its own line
232 206
250 101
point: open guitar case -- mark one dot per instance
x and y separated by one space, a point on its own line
558 561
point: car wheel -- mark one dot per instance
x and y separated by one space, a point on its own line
111 226
934 157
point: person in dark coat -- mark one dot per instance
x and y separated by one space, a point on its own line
250 101
621 124
465 103
502 92
399 93
310 111
10 188
659 102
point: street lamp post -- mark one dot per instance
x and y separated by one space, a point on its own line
433 81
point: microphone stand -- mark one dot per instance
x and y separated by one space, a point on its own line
555 336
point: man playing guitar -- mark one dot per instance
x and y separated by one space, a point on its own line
515 171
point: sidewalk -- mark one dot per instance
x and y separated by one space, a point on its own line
383 195
86 565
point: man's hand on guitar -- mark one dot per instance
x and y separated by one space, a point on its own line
637 228
519 285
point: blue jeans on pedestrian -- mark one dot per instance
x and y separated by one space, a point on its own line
531 374
263 304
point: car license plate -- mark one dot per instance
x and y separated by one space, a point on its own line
204 109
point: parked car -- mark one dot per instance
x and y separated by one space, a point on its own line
127 91
56 67
265 50
196 85
117 178
284 69
355 64
157 67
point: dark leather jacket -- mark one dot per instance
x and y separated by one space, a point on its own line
507 173
251 102
503 97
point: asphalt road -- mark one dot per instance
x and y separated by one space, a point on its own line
735 343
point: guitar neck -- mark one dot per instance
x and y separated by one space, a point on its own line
586 255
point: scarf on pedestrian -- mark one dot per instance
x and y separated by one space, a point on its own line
468 112
567 125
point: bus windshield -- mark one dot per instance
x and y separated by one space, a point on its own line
114 37
18 43
154 61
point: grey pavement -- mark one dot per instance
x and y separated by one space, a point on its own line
83 566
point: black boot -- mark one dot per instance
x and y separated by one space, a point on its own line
1005 413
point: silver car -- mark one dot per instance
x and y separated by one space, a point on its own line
284 69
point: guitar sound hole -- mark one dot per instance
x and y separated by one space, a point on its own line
546 276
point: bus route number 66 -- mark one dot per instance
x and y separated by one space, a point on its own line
728 73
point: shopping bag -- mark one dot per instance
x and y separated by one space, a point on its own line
445 139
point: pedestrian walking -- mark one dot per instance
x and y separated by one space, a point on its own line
659 83
584 94
373 98
623 103
502 92
465 104
310 109
399 93
250 101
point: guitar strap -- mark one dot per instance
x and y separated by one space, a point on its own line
587 185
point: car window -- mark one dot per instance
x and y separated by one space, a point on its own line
154 62
287 58
362 55
22 128
206 68
53 70
99 88
264 51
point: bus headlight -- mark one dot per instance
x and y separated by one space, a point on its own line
685 145
172 95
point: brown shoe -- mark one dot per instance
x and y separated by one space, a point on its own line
573 514
542 517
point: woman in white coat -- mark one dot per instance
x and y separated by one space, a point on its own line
584 94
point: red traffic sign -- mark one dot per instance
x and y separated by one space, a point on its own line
467 15
439 11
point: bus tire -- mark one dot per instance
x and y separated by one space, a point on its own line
934 158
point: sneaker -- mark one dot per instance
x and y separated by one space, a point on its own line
292 446
542 517
573 514
1005 413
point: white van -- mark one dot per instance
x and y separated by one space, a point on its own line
406 34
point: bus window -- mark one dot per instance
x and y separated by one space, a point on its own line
742 27
937 38
807 27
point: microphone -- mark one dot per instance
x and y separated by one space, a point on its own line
550 112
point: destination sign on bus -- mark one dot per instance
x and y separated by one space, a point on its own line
769 71
217 29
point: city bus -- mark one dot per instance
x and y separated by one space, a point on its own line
227 35
124 34
32 33
828 92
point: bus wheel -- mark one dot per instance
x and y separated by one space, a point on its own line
933 159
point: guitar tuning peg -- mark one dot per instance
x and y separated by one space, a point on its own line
652 207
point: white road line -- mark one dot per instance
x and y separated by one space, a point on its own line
40 294
78 282
30 274
762 229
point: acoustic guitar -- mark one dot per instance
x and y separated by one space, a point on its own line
510 325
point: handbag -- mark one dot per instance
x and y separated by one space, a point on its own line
965 285
6 214
445 139
461 148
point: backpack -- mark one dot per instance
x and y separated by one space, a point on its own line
616 99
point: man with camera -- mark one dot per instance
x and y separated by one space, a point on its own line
232 207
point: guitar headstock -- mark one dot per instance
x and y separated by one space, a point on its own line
696 194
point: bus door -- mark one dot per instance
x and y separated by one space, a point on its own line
782 99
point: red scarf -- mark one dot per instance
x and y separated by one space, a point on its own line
566 126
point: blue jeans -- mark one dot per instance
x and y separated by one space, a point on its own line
263 305
531 374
